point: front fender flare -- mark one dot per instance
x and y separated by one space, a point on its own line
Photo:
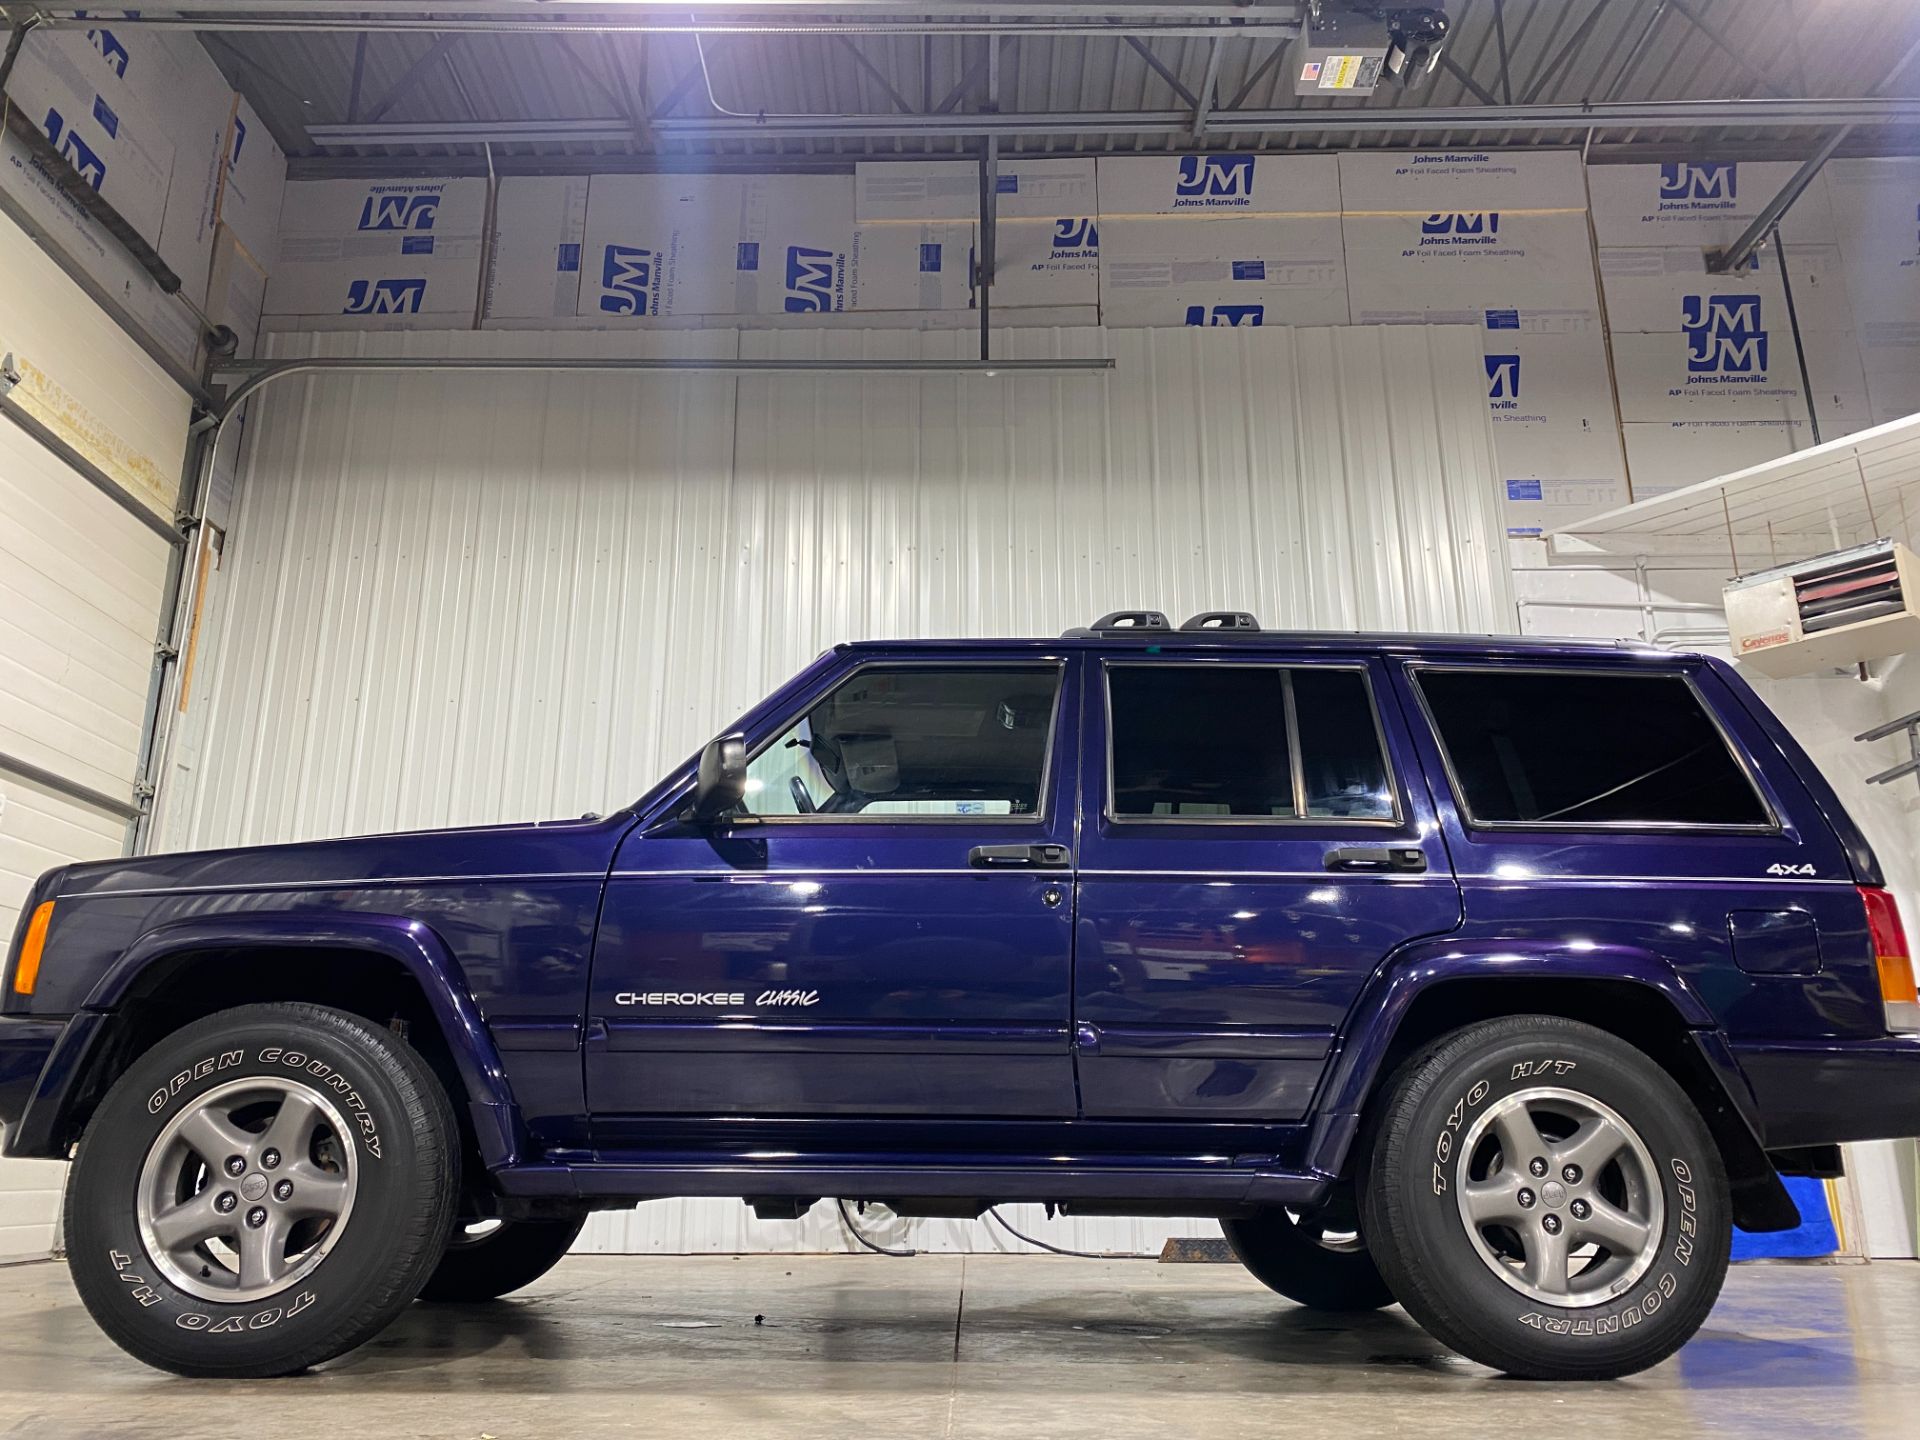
1376 1016
414 946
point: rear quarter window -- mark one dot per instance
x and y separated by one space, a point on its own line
1573 749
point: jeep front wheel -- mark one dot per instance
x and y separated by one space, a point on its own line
261 1191
1543 1198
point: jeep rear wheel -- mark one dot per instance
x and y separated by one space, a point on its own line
1308 1261
262 1191
1542 1197
486 1259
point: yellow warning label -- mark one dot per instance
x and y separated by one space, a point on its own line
1339 72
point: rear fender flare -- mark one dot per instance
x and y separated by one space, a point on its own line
1367 1037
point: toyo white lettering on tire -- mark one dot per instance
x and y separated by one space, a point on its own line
240 1324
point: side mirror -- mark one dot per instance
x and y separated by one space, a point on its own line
722 782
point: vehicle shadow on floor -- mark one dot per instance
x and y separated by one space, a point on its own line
595 1334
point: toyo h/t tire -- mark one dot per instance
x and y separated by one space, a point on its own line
397 1163
1290 1258
1437 1156
513 1255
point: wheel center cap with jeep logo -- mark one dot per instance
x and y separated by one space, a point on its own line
254 1186
1553 1193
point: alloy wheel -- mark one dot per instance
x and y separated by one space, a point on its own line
247 1189
1560 1196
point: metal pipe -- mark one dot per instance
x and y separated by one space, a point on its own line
1527 602
72 789
489 224
1648 115
260 373
989 204
1799 346
16 37
1074 9
535 24
983 262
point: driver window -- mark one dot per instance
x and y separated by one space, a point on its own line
914 741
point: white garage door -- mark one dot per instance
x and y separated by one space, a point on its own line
81 585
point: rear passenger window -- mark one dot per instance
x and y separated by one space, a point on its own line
1558 748
1344 769
1244 742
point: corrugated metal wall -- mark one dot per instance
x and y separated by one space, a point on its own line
460 598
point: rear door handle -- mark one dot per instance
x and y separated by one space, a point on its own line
1013 857
1402 859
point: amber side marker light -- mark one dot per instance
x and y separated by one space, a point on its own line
27 970
1894 959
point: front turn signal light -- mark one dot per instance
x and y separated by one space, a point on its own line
1893 958
26 970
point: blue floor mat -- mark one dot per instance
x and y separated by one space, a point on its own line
1816 1235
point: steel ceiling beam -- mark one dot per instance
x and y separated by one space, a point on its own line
1500 40
1724 46
1665 145
1258 74
1565 53
1756 234
679 89
964 86
1636 50
1735 255
1472 86
1648 115
359 75
1159 67
900 102
1209 82
434 54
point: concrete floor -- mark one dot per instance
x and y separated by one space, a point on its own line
944 1346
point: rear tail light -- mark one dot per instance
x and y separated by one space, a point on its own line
1895 961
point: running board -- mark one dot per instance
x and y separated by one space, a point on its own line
1156 1187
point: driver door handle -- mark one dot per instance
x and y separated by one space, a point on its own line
1391 859
1018 857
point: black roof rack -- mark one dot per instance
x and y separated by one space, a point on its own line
1222 620
1122 620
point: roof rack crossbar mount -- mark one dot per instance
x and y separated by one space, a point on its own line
1222 620
1132 620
